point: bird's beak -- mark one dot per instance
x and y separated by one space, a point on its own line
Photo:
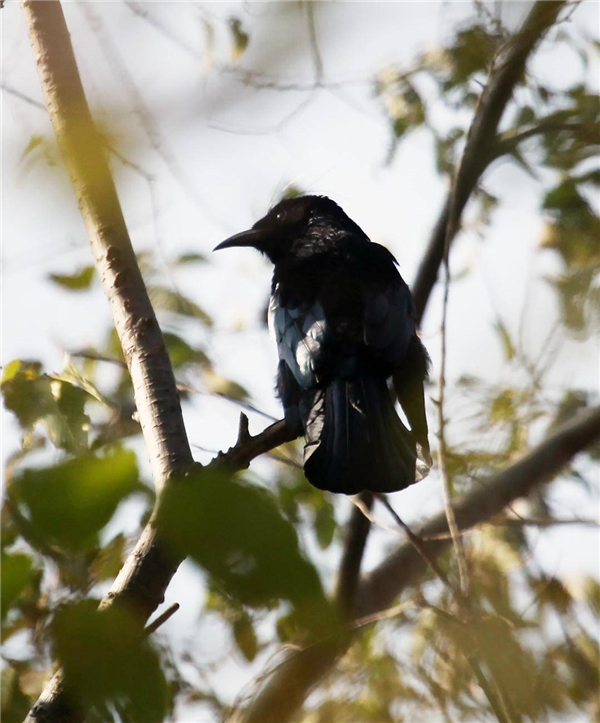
252 237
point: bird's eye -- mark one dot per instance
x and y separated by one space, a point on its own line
280 216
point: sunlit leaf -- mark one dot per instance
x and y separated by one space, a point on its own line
181 353
240 38
591 593
169 300
72 375
225 387
80 281
60 406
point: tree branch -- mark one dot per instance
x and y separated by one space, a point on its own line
357 531
156 397
148 570
146 573
285 691
403 566
480 145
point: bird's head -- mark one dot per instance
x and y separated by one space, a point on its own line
291 222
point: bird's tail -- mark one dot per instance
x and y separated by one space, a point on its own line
355 441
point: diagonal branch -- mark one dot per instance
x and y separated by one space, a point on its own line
284 693
403 566
480 148
81 146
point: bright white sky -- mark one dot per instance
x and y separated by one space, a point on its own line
221 152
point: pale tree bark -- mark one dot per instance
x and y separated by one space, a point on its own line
144 577
149 568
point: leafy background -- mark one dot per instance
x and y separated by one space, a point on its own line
211 112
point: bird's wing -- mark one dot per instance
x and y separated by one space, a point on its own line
388 323
299 333
390 331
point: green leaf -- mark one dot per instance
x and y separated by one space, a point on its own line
240 38
24 394
225 387
69 427
245 636
181 353
237 534
168 300
507 345
551 591
35 397
15 704
472 52
11 370
71 502
502 407
446 151
190 258
16 575
525 116
325 524
109 560
106 661
73 376
591 593
487 204
579 299
79 281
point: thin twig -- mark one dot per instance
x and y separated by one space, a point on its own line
417 543
314 44
161 620
520 522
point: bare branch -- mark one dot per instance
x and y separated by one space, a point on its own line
147 571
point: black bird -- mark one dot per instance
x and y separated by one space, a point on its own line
344 323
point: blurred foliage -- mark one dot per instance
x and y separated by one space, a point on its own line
237 533
79 281
529 634
107 664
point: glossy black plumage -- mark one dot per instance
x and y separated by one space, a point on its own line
343 321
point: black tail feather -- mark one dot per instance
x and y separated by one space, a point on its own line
355 441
